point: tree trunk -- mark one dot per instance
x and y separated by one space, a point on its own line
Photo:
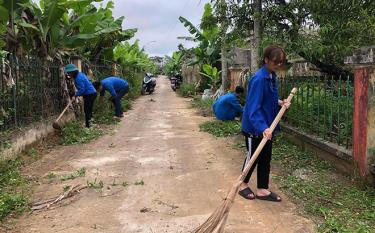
257 36
224 64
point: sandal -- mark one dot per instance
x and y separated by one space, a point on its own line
271 197
246 192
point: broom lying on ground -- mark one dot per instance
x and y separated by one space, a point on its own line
216 222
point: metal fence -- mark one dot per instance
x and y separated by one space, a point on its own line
30 91
322 107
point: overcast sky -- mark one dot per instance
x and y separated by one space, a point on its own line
157 21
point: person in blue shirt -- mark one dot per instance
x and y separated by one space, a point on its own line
84 88
117 87
261 108
228 106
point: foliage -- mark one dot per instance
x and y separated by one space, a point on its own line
203 105
221 128
208 49
212 73
74 133
187 90
133 57
13 188
55 28
322 32
337 203
173 64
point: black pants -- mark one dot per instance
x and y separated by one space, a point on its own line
263 162
88 104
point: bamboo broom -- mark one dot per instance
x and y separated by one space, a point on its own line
216 222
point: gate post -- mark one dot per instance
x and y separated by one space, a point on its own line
363 65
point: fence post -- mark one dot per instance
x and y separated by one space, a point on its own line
114 69
76 60
363 64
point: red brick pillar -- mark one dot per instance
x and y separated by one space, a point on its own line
363 64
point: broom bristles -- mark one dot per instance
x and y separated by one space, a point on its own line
216 221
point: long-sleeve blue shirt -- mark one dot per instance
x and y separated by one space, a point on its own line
83 85
113 85
227 107
261 102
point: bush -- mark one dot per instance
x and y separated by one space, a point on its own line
187 90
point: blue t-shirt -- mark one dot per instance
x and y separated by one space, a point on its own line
113 85
83 85
261 105
227 107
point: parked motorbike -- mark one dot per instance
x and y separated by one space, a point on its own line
176 82
148 84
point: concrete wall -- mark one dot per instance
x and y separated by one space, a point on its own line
31 136
190 74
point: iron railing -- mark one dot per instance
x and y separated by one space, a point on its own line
322 107
30 90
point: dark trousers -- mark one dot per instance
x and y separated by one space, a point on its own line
88 103
117 101
263 162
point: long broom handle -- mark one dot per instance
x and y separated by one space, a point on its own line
264 140
62 113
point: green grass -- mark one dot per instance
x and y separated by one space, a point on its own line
203 106
79 173
13 189
337 203
221 128
74 133
187 90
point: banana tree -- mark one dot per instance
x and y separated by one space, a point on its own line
12 10
208 49
4 16
213 74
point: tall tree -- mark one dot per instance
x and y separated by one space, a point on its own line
257 35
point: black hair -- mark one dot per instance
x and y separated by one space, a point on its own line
239 90
275 53
73 73
96 84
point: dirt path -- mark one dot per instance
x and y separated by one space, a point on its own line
185 174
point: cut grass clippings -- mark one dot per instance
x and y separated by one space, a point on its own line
336 202
221 128
73 133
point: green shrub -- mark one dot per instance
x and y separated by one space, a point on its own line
187 90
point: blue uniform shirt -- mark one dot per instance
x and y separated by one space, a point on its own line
113 85
261 105
83 85
227 107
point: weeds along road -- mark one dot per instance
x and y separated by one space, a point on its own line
154 173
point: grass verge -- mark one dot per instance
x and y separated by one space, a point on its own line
204 106
13 189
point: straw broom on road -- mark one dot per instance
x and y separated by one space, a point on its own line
216 222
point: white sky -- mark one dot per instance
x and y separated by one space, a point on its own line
157 21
